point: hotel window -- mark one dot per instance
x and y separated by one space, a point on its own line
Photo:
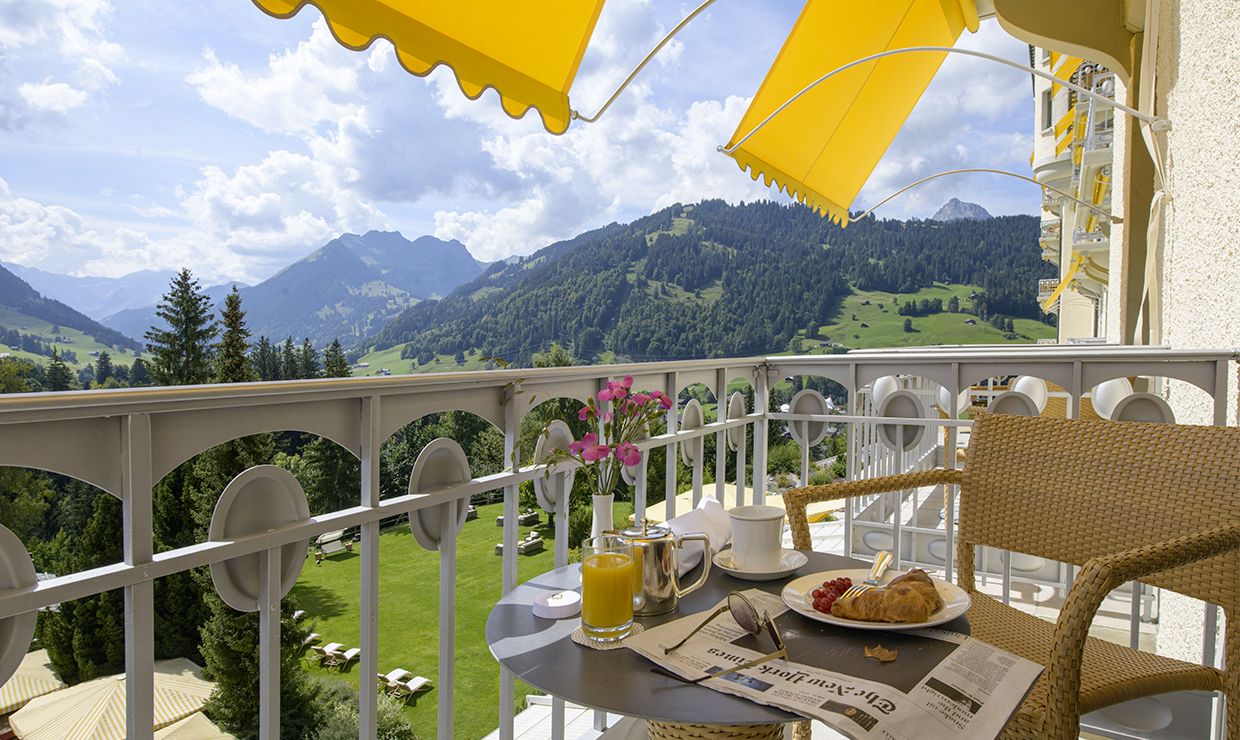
1047 118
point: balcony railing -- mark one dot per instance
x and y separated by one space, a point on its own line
124 441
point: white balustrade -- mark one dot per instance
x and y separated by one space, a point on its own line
123 441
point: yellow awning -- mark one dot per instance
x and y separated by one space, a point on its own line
1073 269
1065 71
822 148
528 52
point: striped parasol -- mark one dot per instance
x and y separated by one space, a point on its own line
34 677
194 727
95 710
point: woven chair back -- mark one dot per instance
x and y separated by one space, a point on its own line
1071 490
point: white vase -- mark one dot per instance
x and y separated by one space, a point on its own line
602 514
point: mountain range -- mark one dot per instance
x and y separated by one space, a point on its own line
713 279
346 289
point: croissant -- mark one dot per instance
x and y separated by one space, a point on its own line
911 597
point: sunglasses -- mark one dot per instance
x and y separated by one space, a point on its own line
746 616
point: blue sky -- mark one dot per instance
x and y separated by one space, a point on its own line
143 134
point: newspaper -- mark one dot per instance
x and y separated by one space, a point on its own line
941 685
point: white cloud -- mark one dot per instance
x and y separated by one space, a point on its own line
56 97
274 212
300 89
56 238
66 56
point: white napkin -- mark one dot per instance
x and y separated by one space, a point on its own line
709 517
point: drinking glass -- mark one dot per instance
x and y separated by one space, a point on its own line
606 588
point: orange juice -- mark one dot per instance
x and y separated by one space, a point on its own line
607 595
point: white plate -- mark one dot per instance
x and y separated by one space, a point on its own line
797 595
789 561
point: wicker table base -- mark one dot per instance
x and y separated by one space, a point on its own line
684 731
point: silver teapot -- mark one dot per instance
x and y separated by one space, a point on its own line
656 588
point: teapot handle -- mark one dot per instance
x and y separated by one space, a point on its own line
705 540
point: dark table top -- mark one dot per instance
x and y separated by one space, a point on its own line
542 653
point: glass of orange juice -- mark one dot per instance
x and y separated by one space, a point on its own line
606 588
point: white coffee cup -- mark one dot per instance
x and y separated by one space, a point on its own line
757 533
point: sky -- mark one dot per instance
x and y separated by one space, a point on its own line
148 134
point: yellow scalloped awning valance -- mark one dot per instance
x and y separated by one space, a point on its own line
528 52
823 147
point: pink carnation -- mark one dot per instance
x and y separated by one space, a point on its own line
628 454
595 453
605 394
589 439
584 413
628 381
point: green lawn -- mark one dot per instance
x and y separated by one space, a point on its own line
886 327
409 614
81 344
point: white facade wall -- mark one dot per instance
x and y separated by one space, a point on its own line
1199 90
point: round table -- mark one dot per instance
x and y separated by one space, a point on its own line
541 652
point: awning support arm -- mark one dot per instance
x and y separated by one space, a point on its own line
910 186
576 116
1157 123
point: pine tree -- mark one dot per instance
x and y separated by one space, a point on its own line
953 305
231 363
85 638
180 354
103 367
335 364
139 374
289 362
230 648
308 360
58 376
265 360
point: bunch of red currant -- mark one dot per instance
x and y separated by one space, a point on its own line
831 590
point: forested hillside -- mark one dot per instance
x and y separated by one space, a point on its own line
712 279
17 294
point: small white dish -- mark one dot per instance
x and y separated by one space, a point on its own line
797 594
789 561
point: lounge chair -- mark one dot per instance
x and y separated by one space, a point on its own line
342 660
402 683
311 638
299 614
329 653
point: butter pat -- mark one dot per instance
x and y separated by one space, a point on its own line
557 604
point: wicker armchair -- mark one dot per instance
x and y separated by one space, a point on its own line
1158 503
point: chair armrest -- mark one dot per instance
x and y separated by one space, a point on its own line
1097 578
797 499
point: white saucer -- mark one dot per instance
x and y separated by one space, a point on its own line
789 561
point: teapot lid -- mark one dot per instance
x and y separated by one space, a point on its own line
647 530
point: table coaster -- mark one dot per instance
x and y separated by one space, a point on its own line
580 638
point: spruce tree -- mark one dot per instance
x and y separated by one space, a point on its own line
335 364
231 363
266 362
139 374
103 367
180 354
58 376
308 360
290 363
